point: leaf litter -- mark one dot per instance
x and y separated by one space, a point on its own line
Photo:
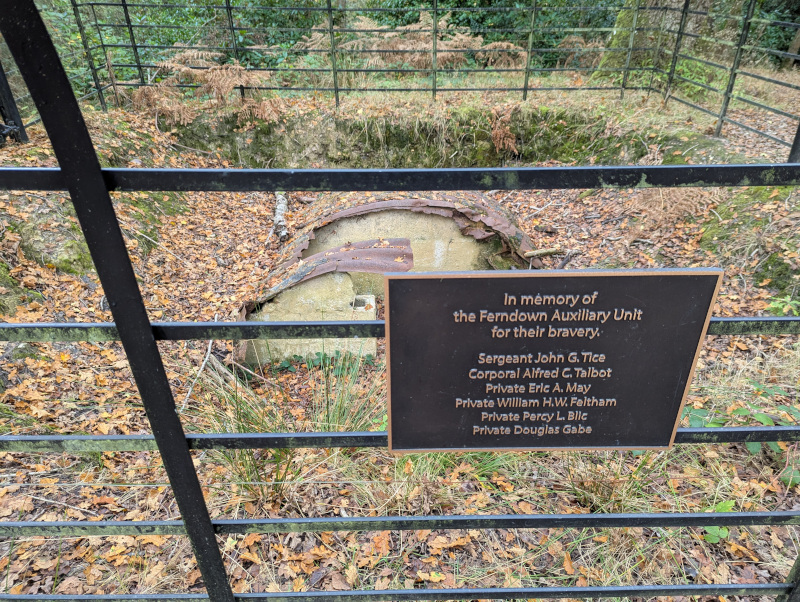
200 256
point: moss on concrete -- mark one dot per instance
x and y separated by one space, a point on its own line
11 293
444 136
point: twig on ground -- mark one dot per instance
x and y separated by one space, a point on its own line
44 499
570 254
199 372
544 252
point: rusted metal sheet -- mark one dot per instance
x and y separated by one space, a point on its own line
373 256
476 215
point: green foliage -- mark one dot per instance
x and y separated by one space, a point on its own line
231 406
785 306
701 418
548 32
715 534
776 37
790 474
697 73
348 393
272 27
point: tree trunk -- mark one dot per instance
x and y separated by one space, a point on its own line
794 48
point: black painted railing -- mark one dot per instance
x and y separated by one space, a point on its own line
89 187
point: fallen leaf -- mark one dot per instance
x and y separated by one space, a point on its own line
568 564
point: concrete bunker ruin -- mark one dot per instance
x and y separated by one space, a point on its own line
332 268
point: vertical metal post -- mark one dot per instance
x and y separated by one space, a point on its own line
677 49
631 41
435 40
657 56
530 49
36 56
133 40
99 31
333 54
109 65
794 573
794 153
229 12
737 57
8 109
89 58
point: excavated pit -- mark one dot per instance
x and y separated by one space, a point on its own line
332 267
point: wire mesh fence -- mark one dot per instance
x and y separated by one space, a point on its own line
737 68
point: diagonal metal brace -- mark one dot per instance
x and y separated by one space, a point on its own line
36 56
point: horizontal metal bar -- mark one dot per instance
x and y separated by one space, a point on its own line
401 523
507 521
187 331
694 106
764 107
701 37
286 440
501 178
689 57
737 434
608 591
780 53
698 84
757 131
776 23
184 331
777 82
734 326
89 528
93 443
360 9
76 443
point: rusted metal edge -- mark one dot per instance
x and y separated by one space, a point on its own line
375 256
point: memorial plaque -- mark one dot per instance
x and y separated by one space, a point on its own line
542 360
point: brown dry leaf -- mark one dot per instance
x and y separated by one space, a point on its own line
568 564
250 556
299 585
351 572
381 543
525 507
193 576
433 576
70 586
250 539
338 582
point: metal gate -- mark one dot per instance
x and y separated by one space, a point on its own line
89 186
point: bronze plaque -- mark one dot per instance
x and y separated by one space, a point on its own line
542 360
